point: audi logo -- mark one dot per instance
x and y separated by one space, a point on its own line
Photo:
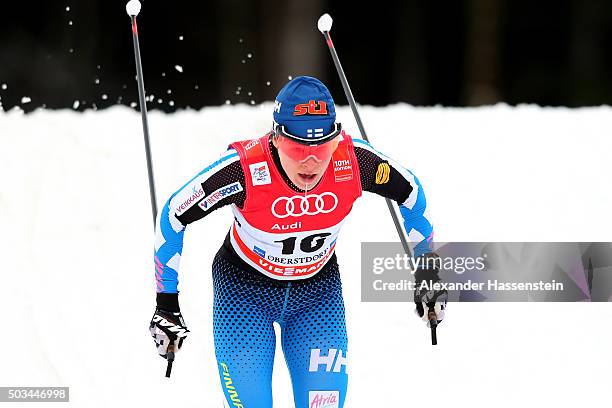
310 204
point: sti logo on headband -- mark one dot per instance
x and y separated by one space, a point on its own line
311 108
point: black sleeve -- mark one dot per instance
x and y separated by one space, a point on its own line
224 177
380 177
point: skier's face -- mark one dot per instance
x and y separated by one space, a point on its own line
305 172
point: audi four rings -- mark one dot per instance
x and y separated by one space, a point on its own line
305 205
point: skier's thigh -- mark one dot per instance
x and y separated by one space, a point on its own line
245 343
244 348
315 347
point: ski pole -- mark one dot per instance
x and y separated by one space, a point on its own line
133 8
324 25
170 357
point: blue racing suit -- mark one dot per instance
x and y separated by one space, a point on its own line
309 311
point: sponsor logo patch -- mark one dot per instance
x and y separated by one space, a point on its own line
251 144
277 106
343 170
281 261
281 270
323 399
196 194
382 173
310 108
287 227
311 204
259 251
260 174
219 194
327 362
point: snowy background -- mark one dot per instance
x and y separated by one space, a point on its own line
78 276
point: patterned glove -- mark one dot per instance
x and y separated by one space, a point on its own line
429 300
167 328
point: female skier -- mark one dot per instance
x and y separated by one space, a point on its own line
289 191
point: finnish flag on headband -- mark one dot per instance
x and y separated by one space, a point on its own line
314 132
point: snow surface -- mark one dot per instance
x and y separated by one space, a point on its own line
78 279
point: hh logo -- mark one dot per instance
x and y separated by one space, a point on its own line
311 108
316 360
323 399
277 106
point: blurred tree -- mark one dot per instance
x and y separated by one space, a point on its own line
409 63
482 71
586 66
298 41
455 53
291 43
237 39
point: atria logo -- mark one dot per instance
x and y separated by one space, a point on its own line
323 399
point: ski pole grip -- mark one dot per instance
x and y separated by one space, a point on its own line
170 357
433 323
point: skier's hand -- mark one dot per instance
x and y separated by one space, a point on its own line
166 328
424 306
428 300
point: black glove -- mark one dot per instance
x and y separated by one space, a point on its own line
167 326
429 300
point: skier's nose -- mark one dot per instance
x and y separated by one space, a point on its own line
311 161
